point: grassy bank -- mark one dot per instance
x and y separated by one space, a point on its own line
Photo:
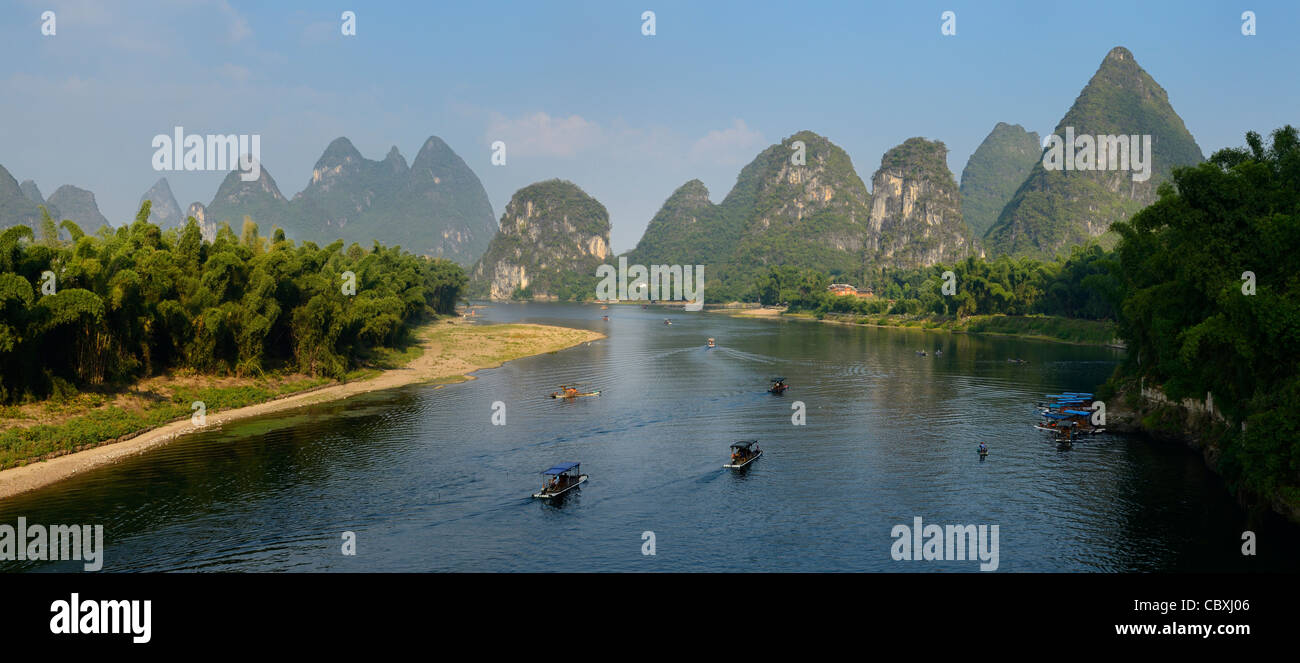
78 422
1039 327
89 420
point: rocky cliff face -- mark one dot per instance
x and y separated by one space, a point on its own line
993 173
1058 207
1141 407
799 203
810 213
164 211
808 208
206 225
553 236
79 206
916 215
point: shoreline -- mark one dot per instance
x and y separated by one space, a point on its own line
780 314
430 366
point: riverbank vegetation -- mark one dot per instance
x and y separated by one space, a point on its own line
1071 299
1211 281
1040 327
99 312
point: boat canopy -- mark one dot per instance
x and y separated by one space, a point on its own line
744 444
561 468
1056 415
778 379
1082 413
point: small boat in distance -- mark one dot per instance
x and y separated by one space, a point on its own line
778 386
559 480
984 450
743 453
667 321
711 341
1064 434
571 391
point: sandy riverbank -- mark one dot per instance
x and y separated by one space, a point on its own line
450 351
762 312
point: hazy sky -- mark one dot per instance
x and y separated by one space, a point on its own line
577 92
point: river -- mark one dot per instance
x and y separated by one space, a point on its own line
427 482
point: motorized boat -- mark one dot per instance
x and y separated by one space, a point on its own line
778 386
711 344
743 453
559 480
1064 434
571 391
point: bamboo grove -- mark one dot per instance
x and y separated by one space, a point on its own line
80 310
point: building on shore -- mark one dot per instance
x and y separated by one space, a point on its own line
845 290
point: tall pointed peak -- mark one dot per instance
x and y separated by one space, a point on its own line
340 151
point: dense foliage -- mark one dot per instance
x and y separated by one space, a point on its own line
994 172
1192 324
136 301
1082 286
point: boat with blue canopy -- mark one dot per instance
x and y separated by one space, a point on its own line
559 480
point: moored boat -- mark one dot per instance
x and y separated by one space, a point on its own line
743 453
559 480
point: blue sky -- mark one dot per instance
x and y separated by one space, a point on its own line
576 91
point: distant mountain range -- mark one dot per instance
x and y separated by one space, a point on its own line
815 212
435 207
799 203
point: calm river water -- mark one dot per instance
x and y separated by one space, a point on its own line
428 483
